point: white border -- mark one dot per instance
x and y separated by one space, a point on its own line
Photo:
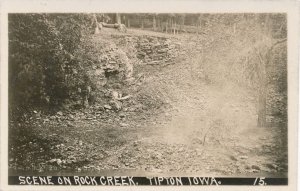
179 6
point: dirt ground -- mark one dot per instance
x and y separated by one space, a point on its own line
203 128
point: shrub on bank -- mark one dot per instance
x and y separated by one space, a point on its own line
41 58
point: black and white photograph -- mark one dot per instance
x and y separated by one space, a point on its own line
148 98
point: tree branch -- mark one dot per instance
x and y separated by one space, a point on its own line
259 55
276 43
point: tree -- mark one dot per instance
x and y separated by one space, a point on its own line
264 59
262 88
182 19
170 23
154 21
142 21
128 23
95 24
118 18
42 55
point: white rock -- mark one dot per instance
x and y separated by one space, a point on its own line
59 113
52 160
124 125
58 161
107 106
243 157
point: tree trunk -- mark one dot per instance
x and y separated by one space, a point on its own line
167 27
95 23
128 23
262 102
174 27
160 25
115 26
118 18
181 25
123 20
154 22
200 24
142 23
262 90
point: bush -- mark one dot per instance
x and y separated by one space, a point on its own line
41 57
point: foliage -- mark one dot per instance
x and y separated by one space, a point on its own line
247 44
41 57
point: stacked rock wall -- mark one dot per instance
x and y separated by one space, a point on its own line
152 49
156 50
116 58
